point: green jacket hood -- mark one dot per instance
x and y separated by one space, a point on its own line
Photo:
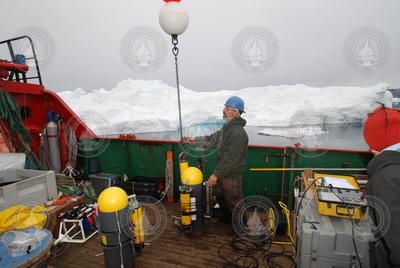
238 121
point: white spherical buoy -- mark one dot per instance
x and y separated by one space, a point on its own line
173 17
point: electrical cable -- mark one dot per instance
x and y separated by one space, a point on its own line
249 250
252 253
164 193
304 194
286 213
352 225
299 206
354 244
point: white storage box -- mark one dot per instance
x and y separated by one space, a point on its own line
20 186
326 242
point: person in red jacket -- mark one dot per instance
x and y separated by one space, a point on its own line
382 133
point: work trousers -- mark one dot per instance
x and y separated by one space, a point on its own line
228 192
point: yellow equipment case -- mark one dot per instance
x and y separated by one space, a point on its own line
339 196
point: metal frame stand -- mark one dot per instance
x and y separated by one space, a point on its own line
64 234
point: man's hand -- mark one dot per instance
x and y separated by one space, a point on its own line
212 181
189 140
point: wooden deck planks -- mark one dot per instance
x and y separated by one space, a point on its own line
172 249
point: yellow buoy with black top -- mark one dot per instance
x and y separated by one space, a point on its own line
114 227
112 199
191 195
192 176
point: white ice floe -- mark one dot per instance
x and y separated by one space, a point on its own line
138 106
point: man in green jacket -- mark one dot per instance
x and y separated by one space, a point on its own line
231 142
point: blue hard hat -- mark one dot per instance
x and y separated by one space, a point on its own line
235 102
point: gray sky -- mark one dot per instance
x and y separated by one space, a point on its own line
228 45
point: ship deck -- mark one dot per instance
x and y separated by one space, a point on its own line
175 249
